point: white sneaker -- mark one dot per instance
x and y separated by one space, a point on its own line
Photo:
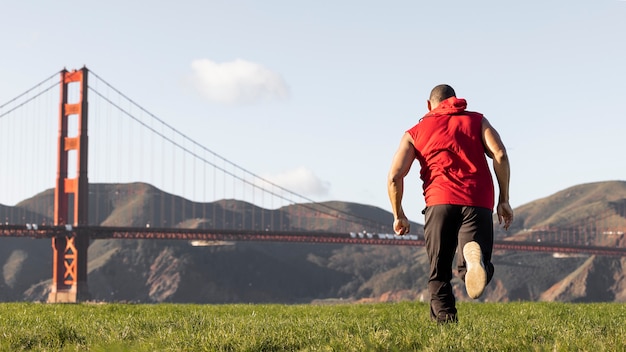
476 276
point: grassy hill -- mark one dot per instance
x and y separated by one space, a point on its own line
516 326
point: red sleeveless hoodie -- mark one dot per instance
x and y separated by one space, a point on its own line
449 147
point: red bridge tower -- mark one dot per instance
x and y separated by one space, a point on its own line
69 272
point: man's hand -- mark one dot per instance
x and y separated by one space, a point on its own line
505 213
401 226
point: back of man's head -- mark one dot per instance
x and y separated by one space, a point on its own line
441 93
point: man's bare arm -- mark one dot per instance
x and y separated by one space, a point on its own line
495 149
400 166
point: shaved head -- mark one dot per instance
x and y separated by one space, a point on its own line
441 93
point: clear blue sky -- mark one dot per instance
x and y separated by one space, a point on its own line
327 88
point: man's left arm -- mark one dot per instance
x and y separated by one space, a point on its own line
400 166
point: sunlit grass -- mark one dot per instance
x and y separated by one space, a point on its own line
523 326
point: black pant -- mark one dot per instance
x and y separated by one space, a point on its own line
448 227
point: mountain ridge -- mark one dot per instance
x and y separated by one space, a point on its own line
175 271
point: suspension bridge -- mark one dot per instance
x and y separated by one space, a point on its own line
82 162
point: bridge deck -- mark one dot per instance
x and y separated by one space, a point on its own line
99 232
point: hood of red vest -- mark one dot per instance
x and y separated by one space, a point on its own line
449 106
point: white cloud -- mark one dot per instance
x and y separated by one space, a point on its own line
237 82
301 181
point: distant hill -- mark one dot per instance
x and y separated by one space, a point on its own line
604 203
140 204
176 271
531 276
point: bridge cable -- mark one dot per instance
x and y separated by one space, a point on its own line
223 169
29 99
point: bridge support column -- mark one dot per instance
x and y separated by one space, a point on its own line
69 270
69 275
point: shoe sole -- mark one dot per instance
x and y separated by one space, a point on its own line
476 276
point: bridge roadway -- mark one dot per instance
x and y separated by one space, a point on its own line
100 232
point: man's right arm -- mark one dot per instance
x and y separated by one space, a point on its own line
495 149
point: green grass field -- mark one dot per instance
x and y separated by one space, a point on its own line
523 326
